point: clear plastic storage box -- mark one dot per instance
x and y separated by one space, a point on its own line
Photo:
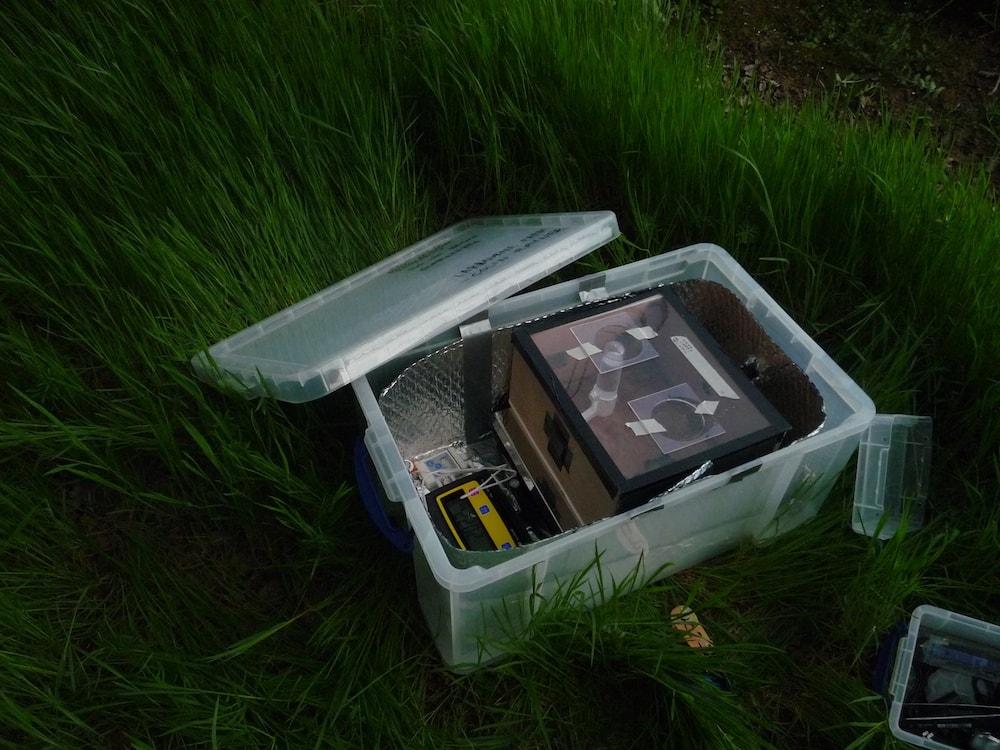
455 286
946 682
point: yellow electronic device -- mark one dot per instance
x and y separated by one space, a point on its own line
465 510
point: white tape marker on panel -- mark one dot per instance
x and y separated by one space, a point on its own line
646 427
704 367
643 333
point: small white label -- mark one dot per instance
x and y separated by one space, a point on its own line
582 352
704 367
646 427
642 333
706 407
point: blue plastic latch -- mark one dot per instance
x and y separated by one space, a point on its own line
399 537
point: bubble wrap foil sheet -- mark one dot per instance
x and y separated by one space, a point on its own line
424 405
743 339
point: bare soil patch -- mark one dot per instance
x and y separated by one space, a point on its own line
930 65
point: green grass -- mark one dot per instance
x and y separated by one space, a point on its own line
180 568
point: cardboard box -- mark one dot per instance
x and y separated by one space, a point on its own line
624 400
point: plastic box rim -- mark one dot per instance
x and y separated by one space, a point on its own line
459 580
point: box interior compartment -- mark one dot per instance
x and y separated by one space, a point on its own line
427 406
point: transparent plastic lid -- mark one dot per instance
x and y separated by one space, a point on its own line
341 333
894 463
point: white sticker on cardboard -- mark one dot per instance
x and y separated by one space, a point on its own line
646 427
706 407
642 333
704 367
580 353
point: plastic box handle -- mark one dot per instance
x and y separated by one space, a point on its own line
399 537
897 668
